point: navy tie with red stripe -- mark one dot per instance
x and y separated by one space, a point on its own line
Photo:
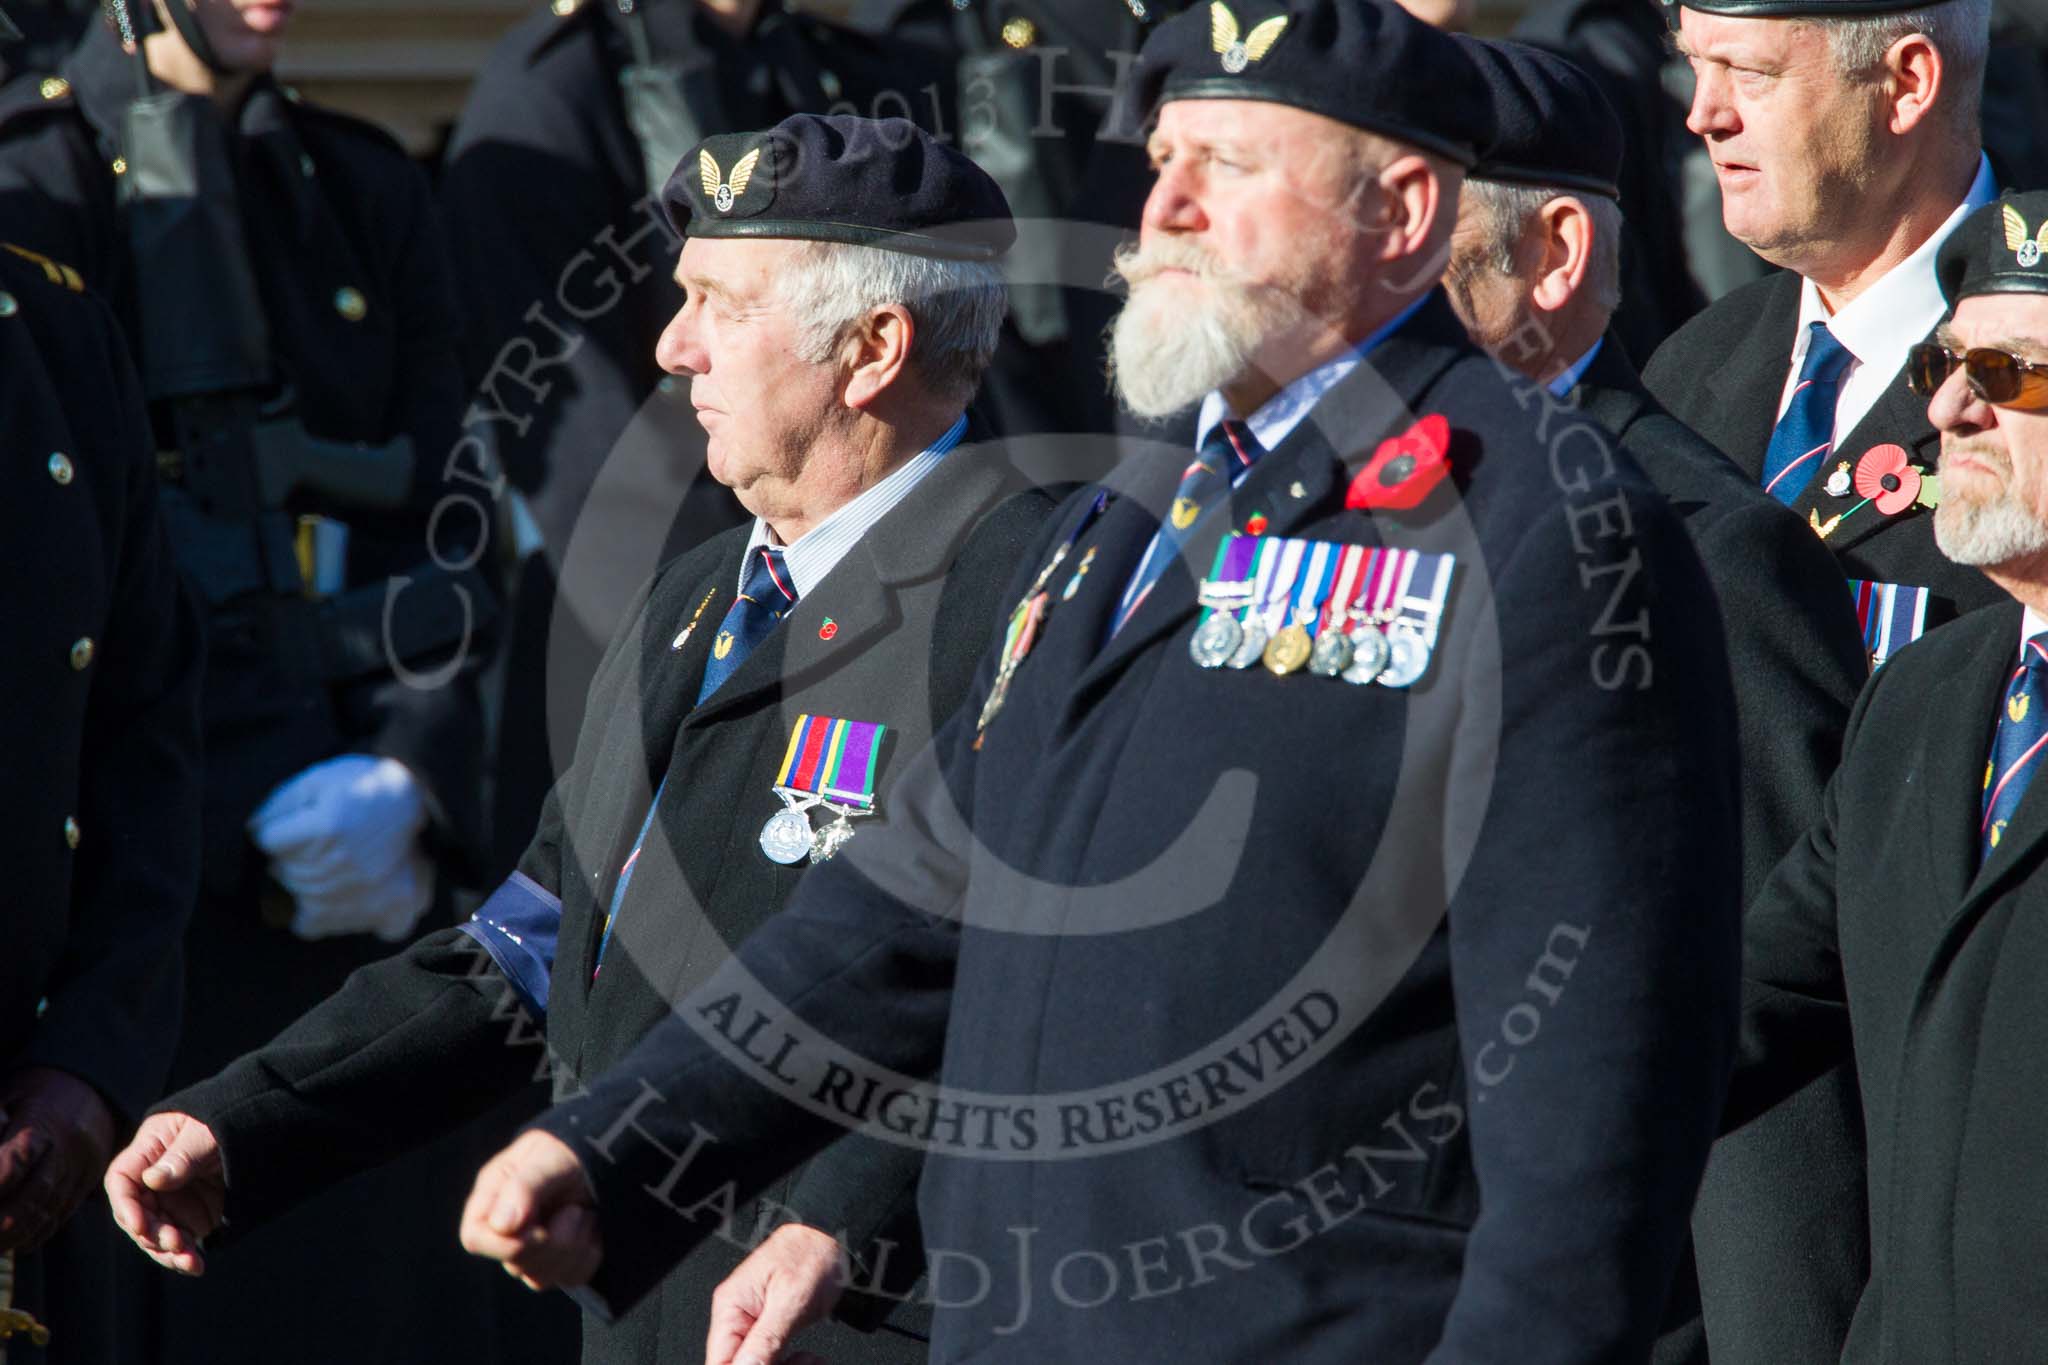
2016 747
1806 433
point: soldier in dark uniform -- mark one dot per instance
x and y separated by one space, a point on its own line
552 183
101 732
717 755
1223 1017
1533 272
278 270
1798 376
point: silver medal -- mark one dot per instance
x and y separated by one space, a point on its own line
1333 654
1251 644
1215 641
786 838
1408 661
1369 655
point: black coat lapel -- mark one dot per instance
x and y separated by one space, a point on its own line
1751 378
1899 417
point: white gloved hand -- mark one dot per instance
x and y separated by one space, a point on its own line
343 838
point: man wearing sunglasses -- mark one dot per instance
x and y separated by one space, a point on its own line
1907 928
1846 136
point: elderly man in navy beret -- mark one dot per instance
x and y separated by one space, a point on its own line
1323 918
842 296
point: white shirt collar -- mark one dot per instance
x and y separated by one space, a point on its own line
2032 623
1887 319
818 551
1279 415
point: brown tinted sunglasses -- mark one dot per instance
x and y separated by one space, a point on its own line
1997 377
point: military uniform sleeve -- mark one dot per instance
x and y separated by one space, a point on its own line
1795 1006
1594 938
113 1006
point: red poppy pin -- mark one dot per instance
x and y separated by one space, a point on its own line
1888 479
1404 469
829 629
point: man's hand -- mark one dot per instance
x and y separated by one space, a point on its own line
789 1282
343 838
55 1134
532 1209
167 1190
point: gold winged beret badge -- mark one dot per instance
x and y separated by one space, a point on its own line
2028 248
722 193
1240 52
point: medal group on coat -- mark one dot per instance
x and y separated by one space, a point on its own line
1442 771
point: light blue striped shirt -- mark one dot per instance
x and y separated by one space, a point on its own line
818 551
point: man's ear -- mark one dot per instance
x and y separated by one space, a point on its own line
1916 79
1411 203
1564 229
876 352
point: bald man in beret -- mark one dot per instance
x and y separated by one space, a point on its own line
1323 917
1906 928
842 297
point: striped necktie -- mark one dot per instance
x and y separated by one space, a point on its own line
1204 486
1806 433
2016 747
767 595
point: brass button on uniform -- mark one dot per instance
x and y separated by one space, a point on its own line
1020 32
350 303
120 165
54 88
81 653
61 471
71 834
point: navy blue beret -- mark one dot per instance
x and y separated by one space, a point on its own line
1799 9
1552 124
837 178
2002 248
1368 63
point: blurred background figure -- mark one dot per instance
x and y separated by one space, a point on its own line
279 273
101 732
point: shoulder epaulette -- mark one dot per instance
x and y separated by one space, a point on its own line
56 271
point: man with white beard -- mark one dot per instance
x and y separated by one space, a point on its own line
1906 931
1322 919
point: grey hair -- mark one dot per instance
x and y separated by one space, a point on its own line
956 307
1960 30
1506 210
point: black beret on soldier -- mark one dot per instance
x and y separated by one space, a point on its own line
1368 63
1553 127
2002 248
837 178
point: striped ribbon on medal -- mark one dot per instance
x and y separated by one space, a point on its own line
1892 616
1351 567
1230 574
1318 574
1425 588
832 758
1279 567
